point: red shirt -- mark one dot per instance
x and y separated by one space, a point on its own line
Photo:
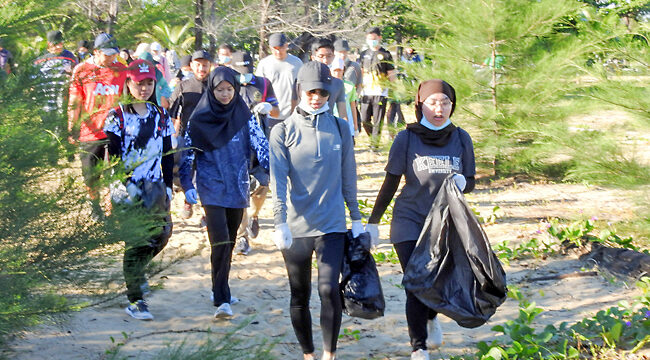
98 89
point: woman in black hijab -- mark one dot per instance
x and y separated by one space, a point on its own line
221 134
425 153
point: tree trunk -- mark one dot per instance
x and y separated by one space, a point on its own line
493 68
198 24
213 19
264 17
113 9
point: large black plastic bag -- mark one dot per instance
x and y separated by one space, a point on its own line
453 269
360 286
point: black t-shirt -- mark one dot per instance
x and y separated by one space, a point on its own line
379 61
184 99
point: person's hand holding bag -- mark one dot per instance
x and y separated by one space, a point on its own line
373 230
357 228
282 236
460 181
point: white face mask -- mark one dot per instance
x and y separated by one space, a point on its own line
245 78
372 43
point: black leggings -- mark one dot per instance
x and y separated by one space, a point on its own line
329 255
417 323
222 230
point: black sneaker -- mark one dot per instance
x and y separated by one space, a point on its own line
242 247
253 227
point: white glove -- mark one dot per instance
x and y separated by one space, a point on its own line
357 228
133 190
356 133
263 108
170 195
118 192
282 236
373 230
460 181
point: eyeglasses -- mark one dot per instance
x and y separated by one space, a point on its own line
319 92
441 103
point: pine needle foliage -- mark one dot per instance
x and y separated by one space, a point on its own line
48 234
518 68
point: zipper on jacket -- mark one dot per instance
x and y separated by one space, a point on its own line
317 138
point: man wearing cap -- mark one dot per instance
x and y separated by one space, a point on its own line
377 67
184 99
352 70
258 94
5 58
96 85
55 68
159 56
282 69
322 51
83 50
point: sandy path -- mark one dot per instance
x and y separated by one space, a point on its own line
259 279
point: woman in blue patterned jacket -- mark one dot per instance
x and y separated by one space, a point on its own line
221 134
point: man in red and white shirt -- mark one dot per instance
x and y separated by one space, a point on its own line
96 85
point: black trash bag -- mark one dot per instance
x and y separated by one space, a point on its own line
453 269
360 286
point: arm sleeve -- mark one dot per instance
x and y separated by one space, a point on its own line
114 133
167 162
279 161
258 142
176 100
185 168
349 172
468 160
270 93
386 193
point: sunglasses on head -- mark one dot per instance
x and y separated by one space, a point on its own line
319 92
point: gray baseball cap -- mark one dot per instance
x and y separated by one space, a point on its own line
341 45
242 62
106 43
277 39
55 37
314 75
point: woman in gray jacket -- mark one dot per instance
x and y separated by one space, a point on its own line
312 161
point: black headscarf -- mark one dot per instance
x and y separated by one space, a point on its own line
433 137
213 124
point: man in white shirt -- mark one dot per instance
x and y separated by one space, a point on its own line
281 68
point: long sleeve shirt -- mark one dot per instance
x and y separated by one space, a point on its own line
222 174
313 174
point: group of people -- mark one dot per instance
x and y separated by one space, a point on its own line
288 126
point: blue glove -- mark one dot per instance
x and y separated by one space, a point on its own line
460 181
357 228
191 196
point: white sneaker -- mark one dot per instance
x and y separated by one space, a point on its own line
233 300
420 355
223 311
435 333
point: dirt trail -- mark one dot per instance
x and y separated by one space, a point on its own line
182 304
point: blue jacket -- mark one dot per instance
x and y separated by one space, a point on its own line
222 174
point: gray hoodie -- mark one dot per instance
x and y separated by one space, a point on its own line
313 159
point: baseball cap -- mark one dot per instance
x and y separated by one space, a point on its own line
201 54
314 75
277 39
242 62
155 46
341 45
83 43
140 69
106 43
54 37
